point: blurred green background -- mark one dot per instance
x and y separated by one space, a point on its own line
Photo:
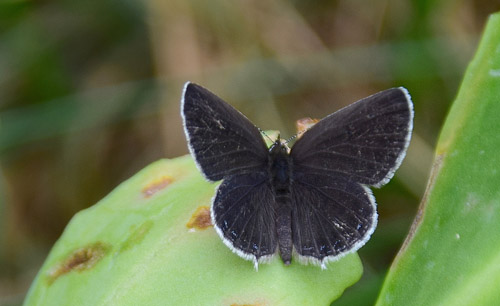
89 95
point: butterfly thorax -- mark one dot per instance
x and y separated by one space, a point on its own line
279 165
280 169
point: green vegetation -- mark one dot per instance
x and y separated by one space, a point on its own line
452 256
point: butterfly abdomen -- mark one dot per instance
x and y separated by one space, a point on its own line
279 168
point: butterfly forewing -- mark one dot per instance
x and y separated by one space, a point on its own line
331 216
221 139
243 212
364 142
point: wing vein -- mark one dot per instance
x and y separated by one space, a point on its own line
240 198
323 229
341 154
326 172
232 170
333 200
226 154
312 235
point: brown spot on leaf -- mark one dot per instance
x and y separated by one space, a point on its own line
304 124
79 260
156 186
200 218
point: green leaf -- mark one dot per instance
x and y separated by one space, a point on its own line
452 256
141 245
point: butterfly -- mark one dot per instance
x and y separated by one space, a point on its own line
311 202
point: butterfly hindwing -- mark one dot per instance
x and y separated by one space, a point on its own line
221 139
244 217
364 142
331 216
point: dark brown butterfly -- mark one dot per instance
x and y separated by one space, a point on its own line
311 202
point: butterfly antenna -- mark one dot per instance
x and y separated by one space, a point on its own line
264 133
291 138
296 135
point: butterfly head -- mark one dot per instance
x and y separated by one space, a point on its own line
279 146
